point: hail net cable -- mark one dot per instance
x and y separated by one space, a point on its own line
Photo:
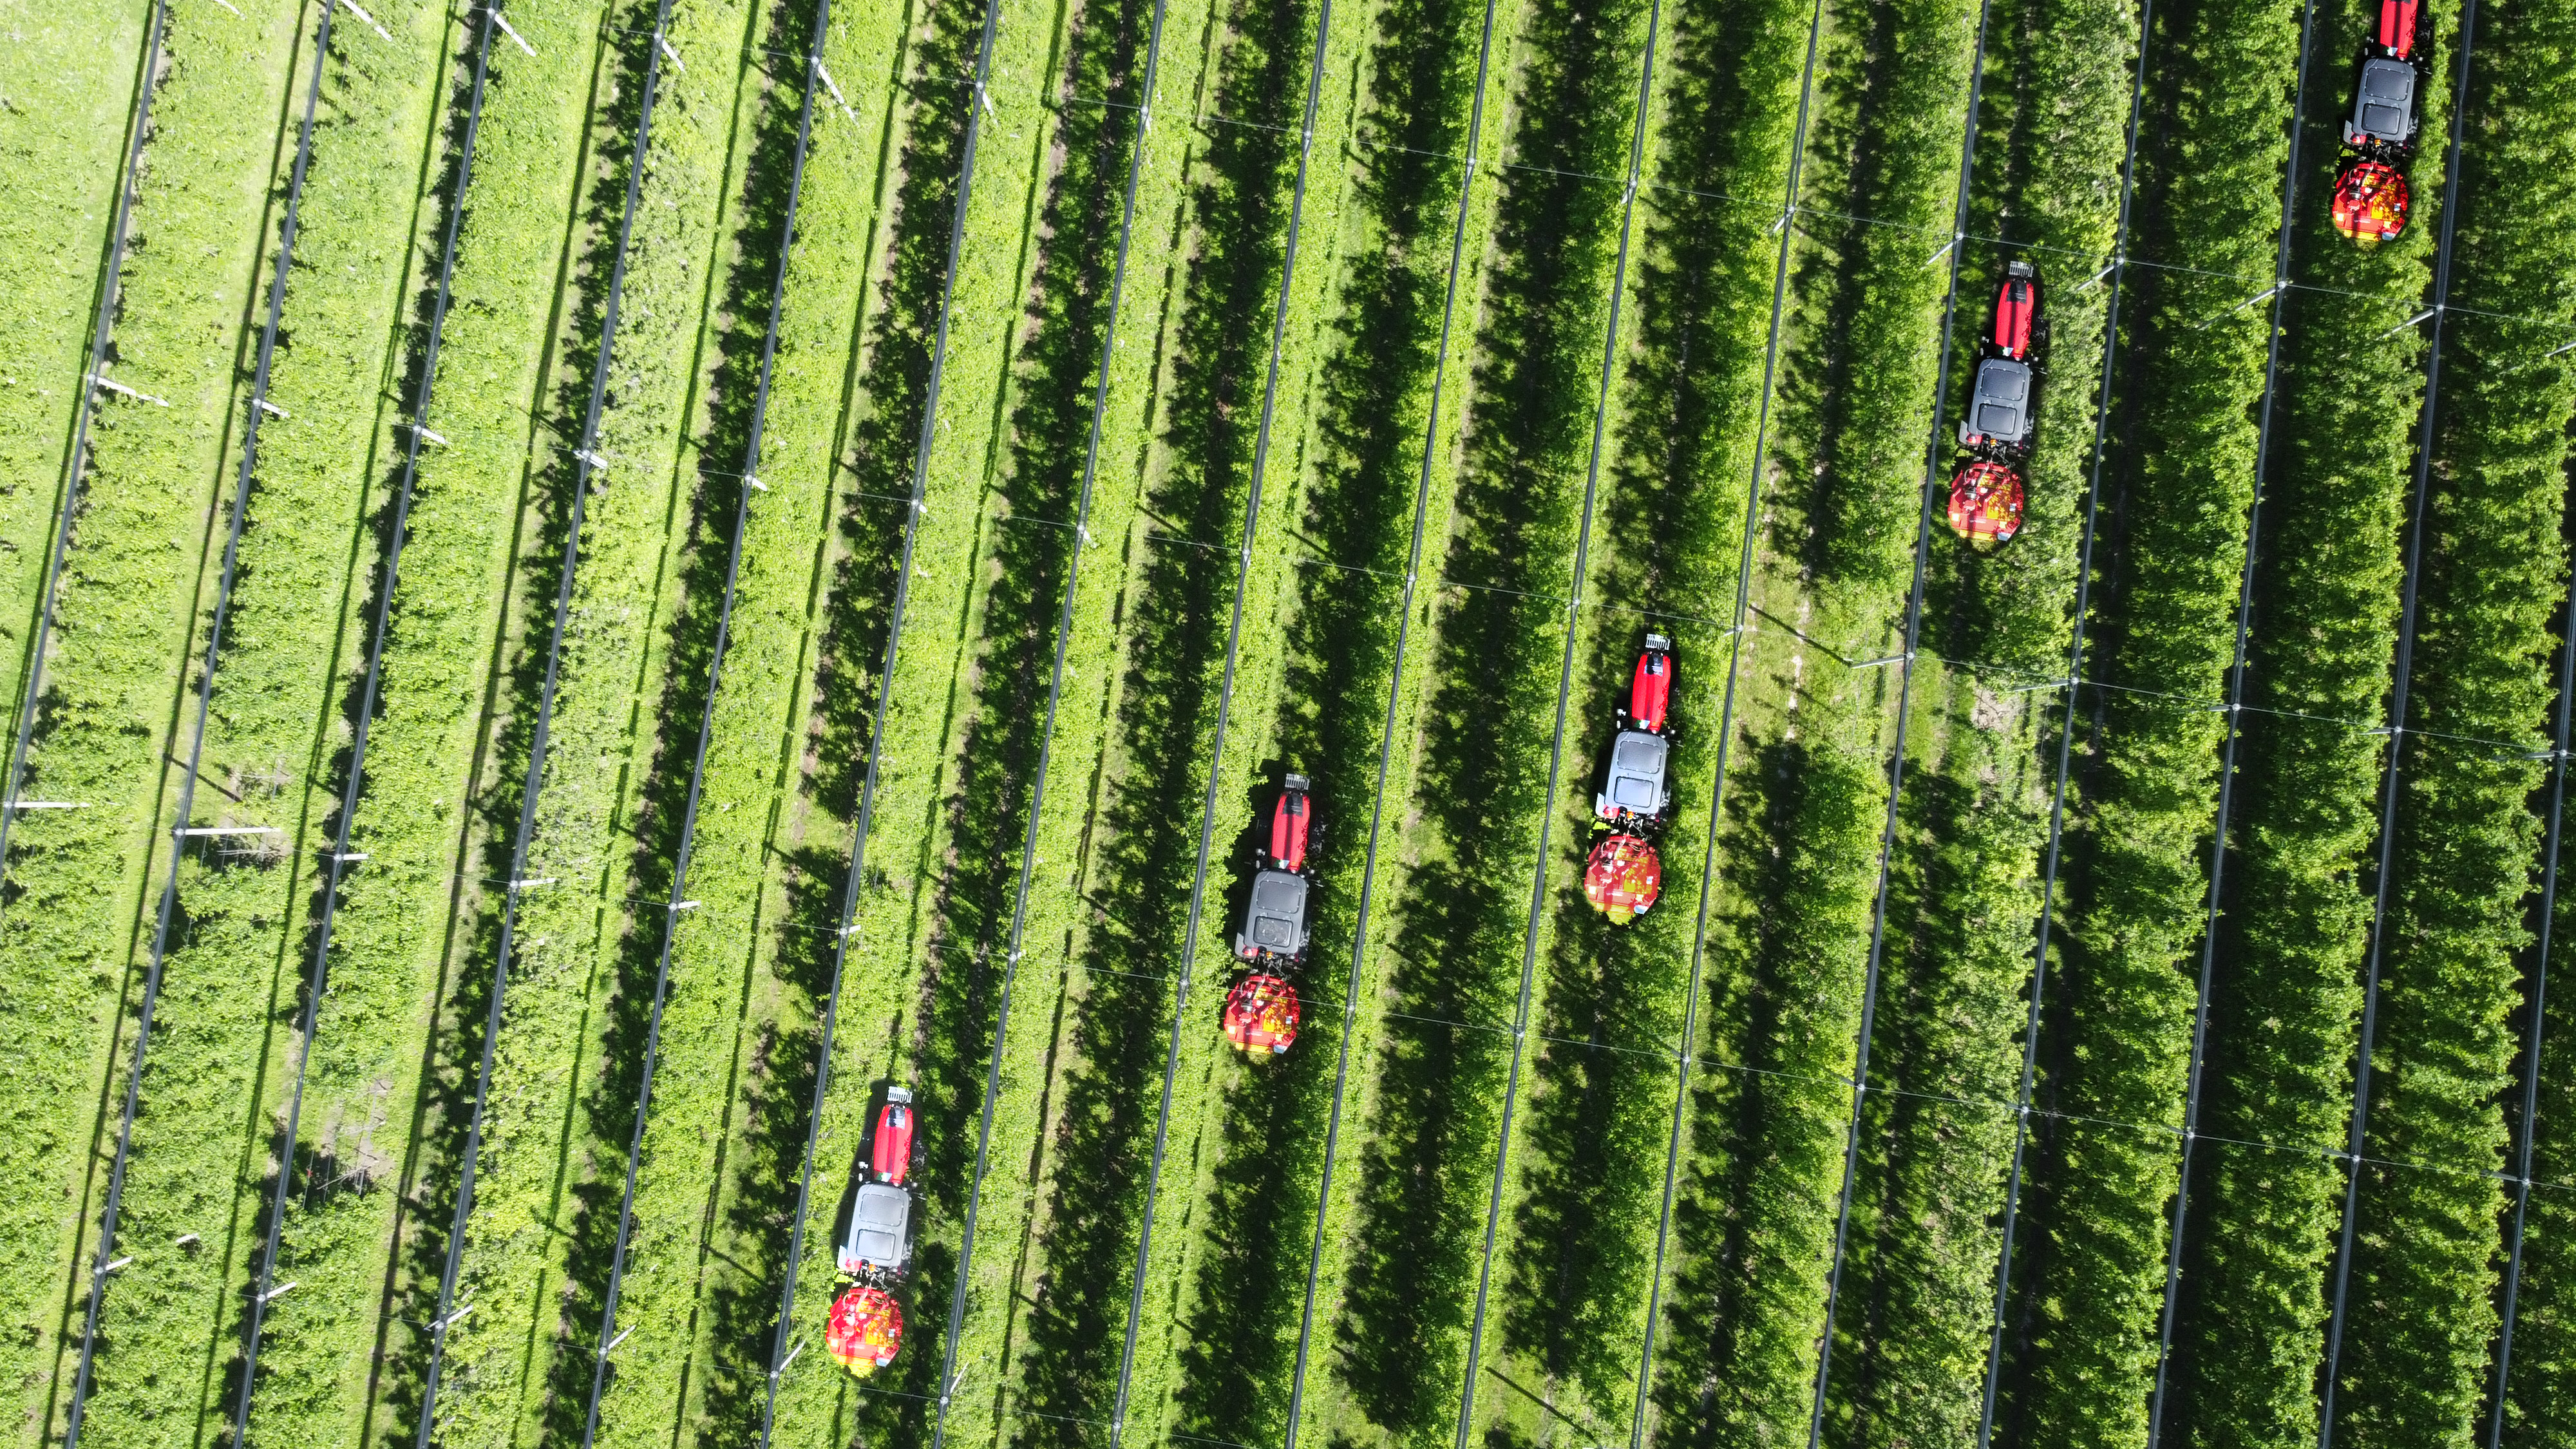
779 1345
1386 741
1726 725
2065 735
1896 758
2530 1120
1046 732
355 781
608 1335
2195 1073
2424 431
101 332
1225 694
583 461
169 907
1556 745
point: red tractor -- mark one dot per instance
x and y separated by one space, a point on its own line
2003 415
1622 876
866 1323
1261 1012
2371 201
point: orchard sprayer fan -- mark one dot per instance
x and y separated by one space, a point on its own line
866 1323
1262 1010
1986 495
1622 876
2371 200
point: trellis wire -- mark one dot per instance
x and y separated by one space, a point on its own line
2118 275
169 907
780 1352
1386 741
101 332
608 1337
1556 745
1725 732
2424 432
355 779
1225 693
1896 758
583 461
2195 1073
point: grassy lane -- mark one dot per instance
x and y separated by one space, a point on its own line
70 77
220 1065
554 1146
126 616
2504 437
718 1020
1964 890
322 1361
2418 1350
1789 935
2286 1000
2136 882
1219 351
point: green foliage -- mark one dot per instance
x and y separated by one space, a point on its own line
2417 1361
2136 880
1599 1106
127 616
2286 997
1462 920
1964 892
221 1062
2503 447
70 79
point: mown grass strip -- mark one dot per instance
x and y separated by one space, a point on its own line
929 415
1707 430
185 811
2389 785
688 814
584 462
336 862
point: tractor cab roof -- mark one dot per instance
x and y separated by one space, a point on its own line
2383 103
880 1234
1999 408
1274 921
1636 782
